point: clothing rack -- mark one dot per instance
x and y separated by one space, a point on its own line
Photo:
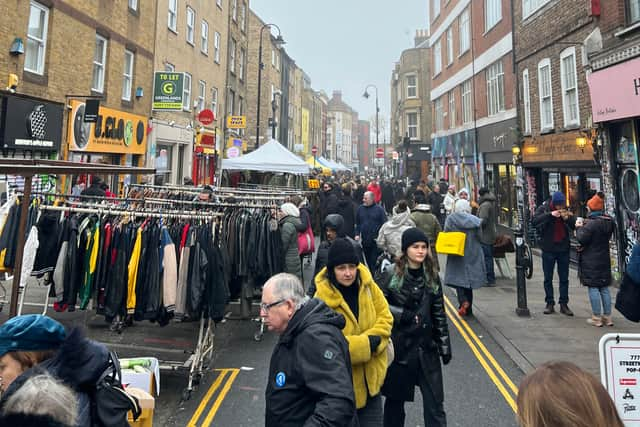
97 209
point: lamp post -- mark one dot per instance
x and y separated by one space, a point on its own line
521 279
279 42
366 96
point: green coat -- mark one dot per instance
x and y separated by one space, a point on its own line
289 235
426 221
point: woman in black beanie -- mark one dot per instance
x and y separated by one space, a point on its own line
420 333
347 287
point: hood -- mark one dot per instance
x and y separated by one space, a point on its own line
330 294
400 219
463 221
422 208
291 219
489 197
335 221
313 312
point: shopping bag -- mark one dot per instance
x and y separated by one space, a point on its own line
628 299
306 242
451 243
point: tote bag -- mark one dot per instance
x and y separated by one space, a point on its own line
451 243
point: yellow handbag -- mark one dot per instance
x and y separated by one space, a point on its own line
451 243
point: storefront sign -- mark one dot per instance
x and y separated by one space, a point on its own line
206 138
233 152
236 122
495 141
30 123
314 184
206 116
114 131
555 148
167 91
620 374
615 91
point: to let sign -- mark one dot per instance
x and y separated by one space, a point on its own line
236 122
620 374
167 91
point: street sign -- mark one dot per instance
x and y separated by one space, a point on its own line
395 155
379 152
236 122
620 373
378 161
206 116
167 91
314 150
233 152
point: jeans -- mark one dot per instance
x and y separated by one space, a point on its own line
549 259
371 414
597 296
488 263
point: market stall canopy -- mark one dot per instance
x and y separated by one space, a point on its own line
271 157
332 165
315 163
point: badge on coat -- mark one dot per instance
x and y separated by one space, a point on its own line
328 354
281 379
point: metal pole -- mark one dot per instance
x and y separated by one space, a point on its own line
521 280
260 66
377 125
17 269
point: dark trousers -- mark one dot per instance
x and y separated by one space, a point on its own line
371 253
487 250
465 295
371 414
432 402
549 259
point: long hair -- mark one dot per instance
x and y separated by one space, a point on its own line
560 394
429 265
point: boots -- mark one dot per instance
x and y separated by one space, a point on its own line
607 320
564 309
595 321
549 309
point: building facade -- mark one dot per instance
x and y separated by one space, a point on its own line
473 97
364 137
340 128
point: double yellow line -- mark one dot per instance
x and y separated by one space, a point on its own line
506 387
204 403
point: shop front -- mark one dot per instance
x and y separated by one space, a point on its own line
205 157
170 150
116 138
454 158
496 163
419 161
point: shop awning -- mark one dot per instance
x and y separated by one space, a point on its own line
314 163
333 165
270 157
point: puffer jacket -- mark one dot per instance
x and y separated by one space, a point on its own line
594 260
374 318
390 234
289 226
426 221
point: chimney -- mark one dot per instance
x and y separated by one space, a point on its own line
421 37
337 95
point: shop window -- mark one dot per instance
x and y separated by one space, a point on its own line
36 38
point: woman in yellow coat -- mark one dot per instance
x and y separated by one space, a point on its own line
348 288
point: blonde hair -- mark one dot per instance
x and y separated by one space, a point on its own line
560 394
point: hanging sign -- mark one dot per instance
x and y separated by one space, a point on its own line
206 116
236 122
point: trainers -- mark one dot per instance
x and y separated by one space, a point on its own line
462 311
549 309
607 320
564 309
595 321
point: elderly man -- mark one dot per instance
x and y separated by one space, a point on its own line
310 371
369 219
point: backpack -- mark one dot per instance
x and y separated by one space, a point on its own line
110 403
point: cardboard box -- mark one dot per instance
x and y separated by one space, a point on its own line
147 404
147 381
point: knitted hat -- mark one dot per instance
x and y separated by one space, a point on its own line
462 205
31 332
411 236
341 252
596 203
558 199
290 209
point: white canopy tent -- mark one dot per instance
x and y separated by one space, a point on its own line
270 157
333 165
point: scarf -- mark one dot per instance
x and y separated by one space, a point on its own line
559 229
397 281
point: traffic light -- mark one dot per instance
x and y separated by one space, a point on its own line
12 82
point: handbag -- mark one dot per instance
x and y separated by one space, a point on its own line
390 352
451 243
306 242
628 299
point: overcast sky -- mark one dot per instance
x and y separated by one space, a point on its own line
347 44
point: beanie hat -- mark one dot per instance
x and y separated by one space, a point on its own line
341 252
31 332
411 236
462 205
596 203
290 209
558 199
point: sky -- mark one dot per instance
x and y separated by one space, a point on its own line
347 44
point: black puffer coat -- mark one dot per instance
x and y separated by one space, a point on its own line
594 261
347 208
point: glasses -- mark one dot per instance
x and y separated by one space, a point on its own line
266 307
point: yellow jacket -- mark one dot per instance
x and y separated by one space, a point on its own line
374 318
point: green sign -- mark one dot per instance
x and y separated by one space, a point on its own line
167 91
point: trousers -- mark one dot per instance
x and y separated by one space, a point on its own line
549 259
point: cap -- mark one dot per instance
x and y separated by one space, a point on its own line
31 332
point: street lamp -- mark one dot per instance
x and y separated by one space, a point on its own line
366 96
279 41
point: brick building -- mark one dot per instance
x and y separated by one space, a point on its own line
473 97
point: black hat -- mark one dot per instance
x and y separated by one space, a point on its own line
411 236
341 252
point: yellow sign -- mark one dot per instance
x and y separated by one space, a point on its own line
305 131
236 122
314 184
114 132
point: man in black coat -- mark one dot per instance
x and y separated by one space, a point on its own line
388 196
309 379
328 202
347 208
435 199
95 189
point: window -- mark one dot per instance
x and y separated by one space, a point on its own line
231 102
169 67
569 84
439 114
127 75
191 21
634 11
412 87
452 109
530 6
204 37
464 31
436 8
219 3
526 98
492 13
467 102
173 15
273 57
36 38
186 93
232 56
243 55
546 100
234 10
495 88
243 17
437 58
412 125
133 4
449 46
216 47
202 91
214 101
99 64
